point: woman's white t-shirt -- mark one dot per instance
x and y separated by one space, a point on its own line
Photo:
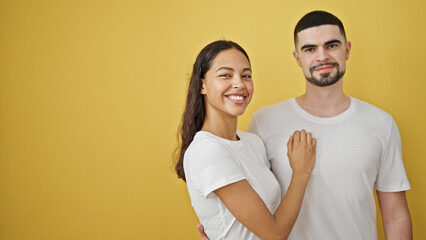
210 163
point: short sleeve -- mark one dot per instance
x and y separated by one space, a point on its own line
212 166
392 176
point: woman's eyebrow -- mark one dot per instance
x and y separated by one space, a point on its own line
231 69
226 68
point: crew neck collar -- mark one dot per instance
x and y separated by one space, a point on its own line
324 120
220 139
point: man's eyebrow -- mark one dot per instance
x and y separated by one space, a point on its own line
307 46
326 43
333 41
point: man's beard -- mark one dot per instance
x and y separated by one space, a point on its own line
326 79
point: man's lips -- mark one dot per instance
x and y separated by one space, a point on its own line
323 69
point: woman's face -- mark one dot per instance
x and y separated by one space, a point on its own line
227 85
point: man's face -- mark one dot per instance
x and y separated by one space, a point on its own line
322 52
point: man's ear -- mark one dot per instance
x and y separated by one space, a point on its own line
348 49
203 87
296 56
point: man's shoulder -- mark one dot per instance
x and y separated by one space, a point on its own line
370 109
372 114
276 108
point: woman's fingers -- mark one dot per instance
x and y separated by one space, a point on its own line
314 143
296 136
309 138
303 136
290 145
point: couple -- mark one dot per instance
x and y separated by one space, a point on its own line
322 190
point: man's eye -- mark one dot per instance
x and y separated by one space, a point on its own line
309 50
332 46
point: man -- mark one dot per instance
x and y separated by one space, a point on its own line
358 148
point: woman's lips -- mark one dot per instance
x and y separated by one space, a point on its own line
237 99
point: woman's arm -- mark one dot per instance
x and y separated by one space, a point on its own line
246 205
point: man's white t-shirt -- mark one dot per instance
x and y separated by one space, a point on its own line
210 163
357 151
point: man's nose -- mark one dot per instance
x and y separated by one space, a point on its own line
322 55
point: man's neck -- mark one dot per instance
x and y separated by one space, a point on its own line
326 101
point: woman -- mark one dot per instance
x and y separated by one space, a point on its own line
232 190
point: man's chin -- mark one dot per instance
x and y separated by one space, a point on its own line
326 79
323 82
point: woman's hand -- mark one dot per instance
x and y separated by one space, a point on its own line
301 148
203 235
246 205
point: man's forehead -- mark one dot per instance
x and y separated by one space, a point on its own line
319 34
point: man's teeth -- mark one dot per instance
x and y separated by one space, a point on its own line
236 97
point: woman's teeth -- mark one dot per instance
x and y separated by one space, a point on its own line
236 97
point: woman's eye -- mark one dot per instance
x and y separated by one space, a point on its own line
224 75
247 76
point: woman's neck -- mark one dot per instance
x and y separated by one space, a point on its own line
224 127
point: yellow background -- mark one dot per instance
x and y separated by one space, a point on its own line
91 94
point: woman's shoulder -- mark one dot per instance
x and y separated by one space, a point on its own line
247 134
208 152
205 143
250 137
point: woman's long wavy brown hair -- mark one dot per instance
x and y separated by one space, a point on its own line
195 112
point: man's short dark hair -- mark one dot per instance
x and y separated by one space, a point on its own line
317 18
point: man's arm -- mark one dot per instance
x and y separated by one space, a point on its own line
395 215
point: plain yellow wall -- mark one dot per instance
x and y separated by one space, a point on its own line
91 94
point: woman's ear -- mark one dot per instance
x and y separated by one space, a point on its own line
203 88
